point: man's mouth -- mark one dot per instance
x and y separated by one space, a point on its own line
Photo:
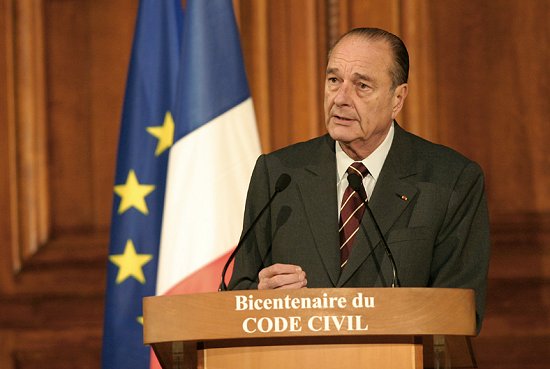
339 117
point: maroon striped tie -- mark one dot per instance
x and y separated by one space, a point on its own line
351 212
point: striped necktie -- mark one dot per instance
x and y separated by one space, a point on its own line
351 213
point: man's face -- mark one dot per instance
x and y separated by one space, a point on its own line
360 103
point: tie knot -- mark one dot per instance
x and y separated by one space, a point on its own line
358 168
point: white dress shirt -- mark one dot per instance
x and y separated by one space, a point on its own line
373 162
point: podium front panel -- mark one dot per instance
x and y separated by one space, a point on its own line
317 328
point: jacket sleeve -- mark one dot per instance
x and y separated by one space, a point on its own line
461 253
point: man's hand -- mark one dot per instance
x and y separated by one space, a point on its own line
282 276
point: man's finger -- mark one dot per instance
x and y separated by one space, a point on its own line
297 285
277 269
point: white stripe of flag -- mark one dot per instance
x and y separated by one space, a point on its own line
208 175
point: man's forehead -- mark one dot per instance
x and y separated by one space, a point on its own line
340 62
354 72
344 63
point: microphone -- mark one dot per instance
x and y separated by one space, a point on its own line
282 183
356 183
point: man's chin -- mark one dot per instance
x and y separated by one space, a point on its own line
342 134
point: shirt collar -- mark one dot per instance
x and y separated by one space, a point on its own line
373 162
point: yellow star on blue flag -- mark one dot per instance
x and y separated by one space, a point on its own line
130 263
133 194
164 134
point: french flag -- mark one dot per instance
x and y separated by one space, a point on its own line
215 147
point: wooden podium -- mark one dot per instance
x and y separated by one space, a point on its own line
313 328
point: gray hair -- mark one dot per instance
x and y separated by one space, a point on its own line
400 71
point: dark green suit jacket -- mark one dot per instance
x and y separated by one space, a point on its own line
429 202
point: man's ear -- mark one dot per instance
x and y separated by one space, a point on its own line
399 96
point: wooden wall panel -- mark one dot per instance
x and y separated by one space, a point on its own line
492 70
8 171
85 106
383 14
284 43
69 126
491 77
295 70
253 20
478 83
61 95
29 103
420 111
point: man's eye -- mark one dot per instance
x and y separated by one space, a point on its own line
332 80
363 86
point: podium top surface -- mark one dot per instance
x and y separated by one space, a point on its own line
311 312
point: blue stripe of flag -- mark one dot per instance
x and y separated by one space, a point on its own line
212 76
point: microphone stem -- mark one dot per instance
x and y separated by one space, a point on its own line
395 281
223 285
356 183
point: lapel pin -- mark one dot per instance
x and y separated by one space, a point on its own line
404 198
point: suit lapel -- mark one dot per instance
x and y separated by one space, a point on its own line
391 196
317 185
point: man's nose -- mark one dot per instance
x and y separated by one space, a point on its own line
343 96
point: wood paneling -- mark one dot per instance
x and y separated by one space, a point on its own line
516 331
383 14
295 70
84 99
253 21
61 92
492 80
478 82
420 110
284 43
29 104
8 171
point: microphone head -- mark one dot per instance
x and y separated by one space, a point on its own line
282 182
354 181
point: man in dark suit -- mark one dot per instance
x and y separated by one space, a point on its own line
428 199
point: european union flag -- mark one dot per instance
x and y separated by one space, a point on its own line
146 136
